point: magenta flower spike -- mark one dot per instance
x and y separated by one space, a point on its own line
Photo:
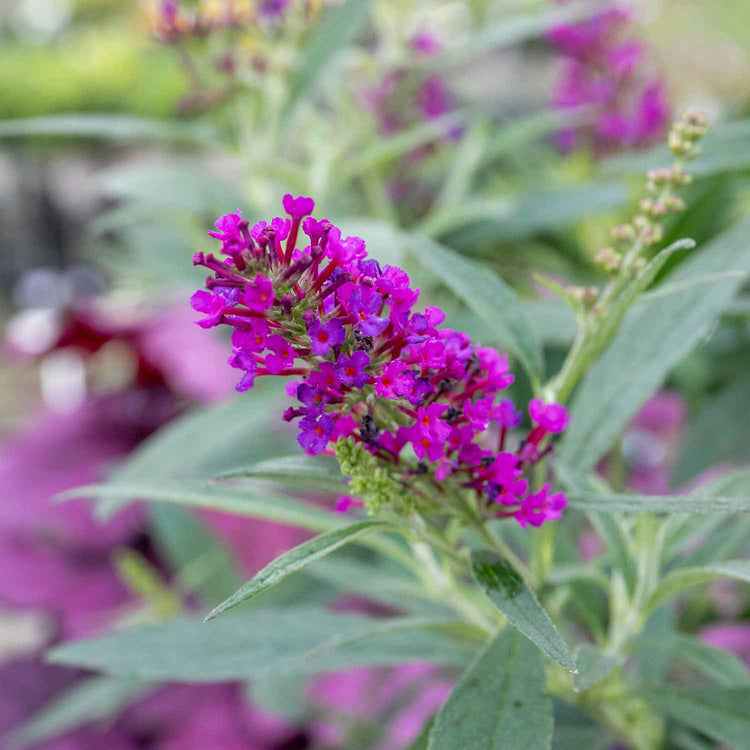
420 399
607 70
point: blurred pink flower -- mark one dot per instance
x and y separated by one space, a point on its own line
410 695
730 636
606 69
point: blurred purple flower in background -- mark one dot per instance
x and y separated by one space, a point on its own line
56 568
650 442
730 636
606 69
55 559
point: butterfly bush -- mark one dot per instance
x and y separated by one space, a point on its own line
413 410
605 68
172 22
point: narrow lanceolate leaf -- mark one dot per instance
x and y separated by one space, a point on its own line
340 25
421 742
718 665
721 713
504 219
592 665
295 559
108 127
246 501
499 703
698 502
628 296
733 484
510 594
655 334
312 474
204 442
726 149
268 642
93 700
718 433
487 295
685 578
201 563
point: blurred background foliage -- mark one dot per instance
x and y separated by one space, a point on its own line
118 152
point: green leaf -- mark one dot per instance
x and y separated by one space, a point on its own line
470 154
719 432
553 322
295 559
504 219
726 148
339 27
179 187
514 134
205 442
92 700
721 666
683 578
698 502
510 594
108 127
574 730
592 665
385 150
684 740
499 702
311 474
246 501
632 291
655 335
652 664
281 696
575 738
265 642
421 742
721 713
733 484
376 578
727 540
610 529
201 563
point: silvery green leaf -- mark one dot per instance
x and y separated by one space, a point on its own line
513 597
721 713
499 703
592 665
297 558
655 334
266 642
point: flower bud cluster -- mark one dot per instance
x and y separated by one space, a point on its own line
409 407
646 229
685 134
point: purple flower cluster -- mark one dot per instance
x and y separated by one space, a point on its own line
604 69
372 369
407 94
173 22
